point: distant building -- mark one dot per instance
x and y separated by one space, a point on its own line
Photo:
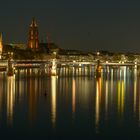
53 48
43 47
12 47
48 47
33 40
1 46
17 46
74 55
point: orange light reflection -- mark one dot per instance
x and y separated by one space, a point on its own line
10 99
53 101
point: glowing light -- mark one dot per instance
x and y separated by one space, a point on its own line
97 106
53 70
121 94
106 97
112 90
53 102
10 99
73 96
98 53
54 53
135 89
122 98
80 65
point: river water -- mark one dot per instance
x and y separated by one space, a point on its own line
34 106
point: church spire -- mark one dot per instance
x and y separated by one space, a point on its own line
33 41
33 24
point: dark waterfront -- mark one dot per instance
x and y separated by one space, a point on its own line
35 106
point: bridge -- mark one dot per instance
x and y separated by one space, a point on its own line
54 64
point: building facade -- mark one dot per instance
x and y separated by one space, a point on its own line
33 40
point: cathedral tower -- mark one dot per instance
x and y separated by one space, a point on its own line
33 40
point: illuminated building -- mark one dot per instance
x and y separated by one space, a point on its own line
17 46
1 46
33 40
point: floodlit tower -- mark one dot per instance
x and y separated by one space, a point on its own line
33 41
1 46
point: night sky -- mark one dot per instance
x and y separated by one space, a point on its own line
90 25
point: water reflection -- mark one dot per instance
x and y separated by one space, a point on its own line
53 100
73 97
115 96
135 89
10 98
32 96
136 104
97 106
1 92
106 96
112 87
121 90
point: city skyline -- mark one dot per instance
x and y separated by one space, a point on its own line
81 25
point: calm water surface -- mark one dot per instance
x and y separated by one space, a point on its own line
69 107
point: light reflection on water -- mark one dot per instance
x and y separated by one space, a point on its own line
98 100
93 105
53 100
135 89
73 97
10 98
106 97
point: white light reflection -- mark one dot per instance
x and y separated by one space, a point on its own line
53 100
112 90
135 89
10 98
54 66
106 97
121 90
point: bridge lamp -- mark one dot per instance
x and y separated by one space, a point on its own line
135 62
98 53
